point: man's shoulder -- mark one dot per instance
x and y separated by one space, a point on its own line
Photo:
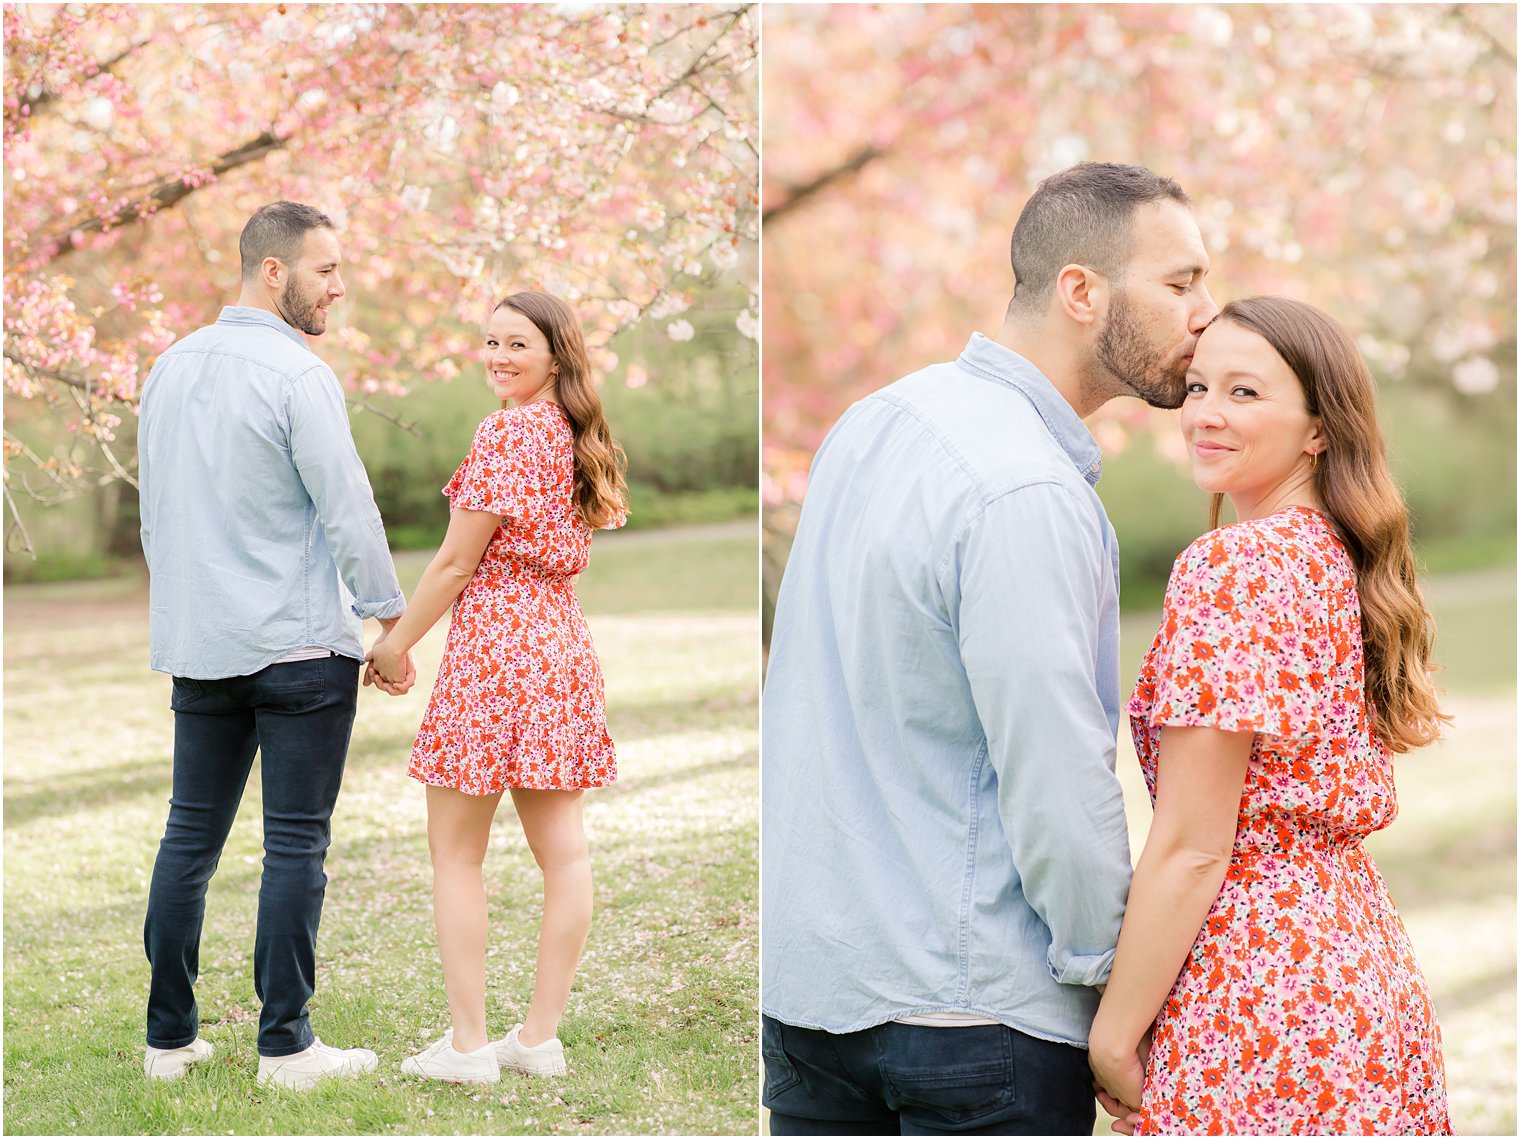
259 346
992 427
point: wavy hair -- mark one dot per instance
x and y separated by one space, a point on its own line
1353 481
601 490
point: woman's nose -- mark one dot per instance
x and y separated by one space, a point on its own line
1207 413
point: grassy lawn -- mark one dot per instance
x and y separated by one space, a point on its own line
1449 858
660 1032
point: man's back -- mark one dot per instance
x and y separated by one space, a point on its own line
250 487
943 830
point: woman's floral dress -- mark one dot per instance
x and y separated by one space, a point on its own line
518 701
1300 1009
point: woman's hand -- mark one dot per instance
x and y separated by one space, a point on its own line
390 669
1118 1076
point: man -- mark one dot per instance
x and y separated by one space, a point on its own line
945 855
255 507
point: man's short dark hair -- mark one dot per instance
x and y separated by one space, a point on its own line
1083 216
277 230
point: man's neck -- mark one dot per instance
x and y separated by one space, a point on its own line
1057 361
258 298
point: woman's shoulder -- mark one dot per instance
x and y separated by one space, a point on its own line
542 419
1282 555
1240 545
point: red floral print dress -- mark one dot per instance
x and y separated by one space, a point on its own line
1300 1009
519 701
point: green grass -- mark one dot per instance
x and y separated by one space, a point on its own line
660 1030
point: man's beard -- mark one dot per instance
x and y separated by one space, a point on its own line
1130 358
300 312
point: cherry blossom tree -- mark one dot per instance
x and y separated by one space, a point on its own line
1358 157
606 154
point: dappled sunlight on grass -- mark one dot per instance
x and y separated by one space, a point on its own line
660 1030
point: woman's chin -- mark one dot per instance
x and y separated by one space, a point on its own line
1209 481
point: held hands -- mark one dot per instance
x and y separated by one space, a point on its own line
1118 1077
389 670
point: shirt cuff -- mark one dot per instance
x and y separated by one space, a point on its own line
385 610
1075 969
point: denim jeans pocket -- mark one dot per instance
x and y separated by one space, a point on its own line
780 1075
957 1073
185 693
295 687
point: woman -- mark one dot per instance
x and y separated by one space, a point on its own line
518 703
1292 660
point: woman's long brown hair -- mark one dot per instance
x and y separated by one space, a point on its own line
601 491
1354 483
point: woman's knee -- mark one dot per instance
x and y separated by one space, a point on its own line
459 828
552 824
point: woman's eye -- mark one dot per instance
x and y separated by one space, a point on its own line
1196 389
1244 393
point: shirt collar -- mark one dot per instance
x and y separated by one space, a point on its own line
243 314
998 362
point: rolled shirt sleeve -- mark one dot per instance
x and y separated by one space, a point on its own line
322 449
1032 596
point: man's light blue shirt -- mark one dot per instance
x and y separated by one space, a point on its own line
259 526
942 825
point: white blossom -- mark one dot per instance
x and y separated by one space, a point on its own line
1475 375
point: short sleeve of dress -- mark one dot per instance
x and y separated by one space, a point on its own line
508 470
1233 642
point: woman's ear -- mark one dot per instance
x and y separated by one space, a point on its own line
1317 444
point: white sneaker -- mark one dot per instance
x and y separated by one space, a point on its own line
172 1063
301 1070
440 1061
546 1059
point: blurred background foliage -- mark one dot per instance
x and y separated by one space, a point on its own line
1358 157
685 412
607 154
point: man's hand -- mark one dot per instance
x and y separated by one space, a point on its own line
1124 1120
391 671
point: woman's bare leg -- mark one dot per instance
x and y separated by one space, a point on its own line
459 831
555 831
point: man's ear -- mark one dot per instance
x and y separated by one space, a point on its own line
1082 293
272 272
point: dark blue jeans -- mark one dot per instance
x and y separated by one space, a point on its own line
299 716
907 1079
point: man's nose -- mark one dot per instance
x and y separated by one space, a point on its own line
1206 310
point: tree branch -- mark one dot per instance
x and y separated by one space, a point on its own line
1463 17
697 65
47 97
796 195
17 524
36 460
48 373
389 417
81 398
171 191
